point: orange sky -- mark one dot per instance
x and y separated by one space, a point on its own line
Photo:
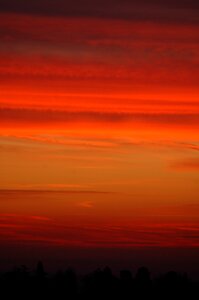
99 125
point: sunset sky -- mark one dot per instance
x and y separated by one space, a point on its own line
99 126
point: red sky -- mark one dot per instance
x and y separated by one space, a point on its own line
99 124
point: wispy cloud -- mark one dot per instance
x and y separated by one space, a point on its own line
37 142
23 218
85 204
50 187
31 190
187 164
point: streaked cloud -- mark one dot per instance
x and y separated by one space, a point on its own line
13 230
38 116
141 10
187 164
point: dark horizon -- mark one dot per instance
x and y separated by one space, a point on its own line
158 260
100 283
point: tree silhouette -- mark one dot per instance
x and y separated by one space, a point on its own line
40 270
100 284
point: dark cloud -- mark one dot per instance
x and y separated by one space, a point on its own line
41 116
36 48
143 9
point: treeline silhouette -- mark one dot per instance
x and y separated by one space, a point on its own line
21 283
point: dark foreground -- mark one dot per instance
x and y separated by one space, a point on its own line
100 284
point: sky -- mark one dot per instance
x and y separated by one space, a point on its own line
99 128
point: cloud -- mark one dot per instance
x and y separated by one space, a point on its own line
49 52
29 230
86 204
20 142
188 164
67 32
34 229
72 188
175 10
49 116
11 193
186 145
6 216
